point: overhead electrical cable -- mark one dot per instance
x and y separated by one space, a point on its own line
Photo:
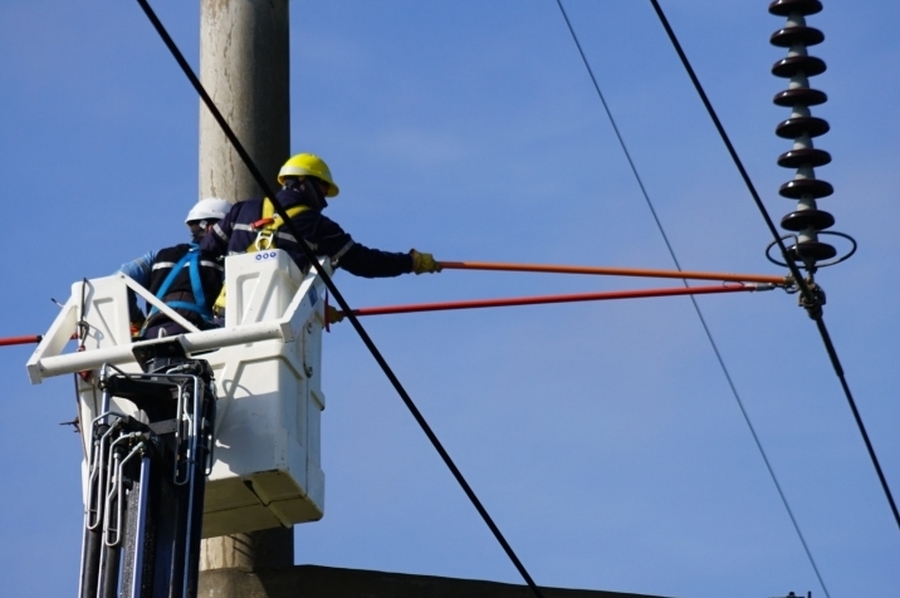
706 329
329 283
812 300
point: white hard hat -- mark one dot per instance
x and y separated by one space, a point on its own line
211 208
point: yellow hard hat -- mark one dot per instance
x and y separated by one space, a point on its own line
308 165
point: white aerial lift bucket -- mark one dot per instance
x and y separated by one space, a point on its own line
267 362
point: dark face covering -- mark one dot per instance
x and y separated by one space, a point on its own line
309 189
198 228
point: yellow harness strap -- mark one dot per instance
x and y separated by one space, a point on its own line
268 224
267 227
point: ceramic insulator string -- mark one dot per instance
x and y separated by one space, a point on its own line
807 220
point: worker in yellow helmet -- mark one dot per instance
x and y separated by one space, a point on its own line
306 182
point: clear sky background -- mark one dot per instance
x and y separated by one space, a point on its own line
602 437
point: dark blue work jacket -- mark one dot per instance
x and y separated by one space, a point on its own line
234 234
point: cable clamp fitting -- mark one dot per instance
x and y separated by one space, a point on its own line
813 301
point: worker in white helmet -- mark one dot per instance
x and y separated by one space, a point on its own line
179 277
200 218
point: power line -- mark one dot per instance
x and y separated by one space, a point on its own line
811 299
329 283
697 309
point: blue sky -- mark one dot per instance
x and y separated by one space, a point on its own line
602 437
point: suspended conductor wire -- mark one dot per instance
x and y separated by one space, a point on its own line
696 305
329 283
807 292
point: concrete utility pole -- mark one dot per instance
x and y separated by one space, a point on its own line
244 67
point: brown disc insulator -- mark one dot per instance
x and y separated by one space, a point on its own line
807 221
784 8
804 219
811 251
798 158
798 125
800 95
787 37
800 188
794 65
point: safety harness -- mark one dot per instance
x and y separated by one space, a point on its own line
267 226
266 233
191 259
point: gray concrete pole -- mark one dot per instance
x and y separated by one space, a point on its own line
244 68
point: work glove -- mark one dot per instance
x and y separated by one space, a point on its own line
424 262
333 315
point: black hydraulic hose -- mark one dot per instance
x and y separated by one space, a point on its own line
809 295
345 307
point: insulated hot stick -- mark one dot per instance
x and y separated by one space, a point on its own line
539 300
29 339
739 283
744 283
785 281
20 340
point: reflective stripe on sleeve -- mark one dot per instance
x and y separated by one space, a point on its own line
219 232
343 250
214 265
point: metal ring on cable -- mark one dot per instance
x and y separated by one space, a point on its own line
832 262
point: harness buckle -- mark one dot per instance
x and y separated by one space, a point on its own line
264 240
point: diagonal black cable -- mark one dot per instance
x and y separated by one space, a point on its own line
815 312
329 283
696 305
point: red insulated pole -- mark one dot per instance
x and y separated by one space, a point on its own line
761 278
20 340
601 296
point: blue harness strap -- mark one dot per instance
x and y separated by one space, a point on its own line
192 260
196 283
